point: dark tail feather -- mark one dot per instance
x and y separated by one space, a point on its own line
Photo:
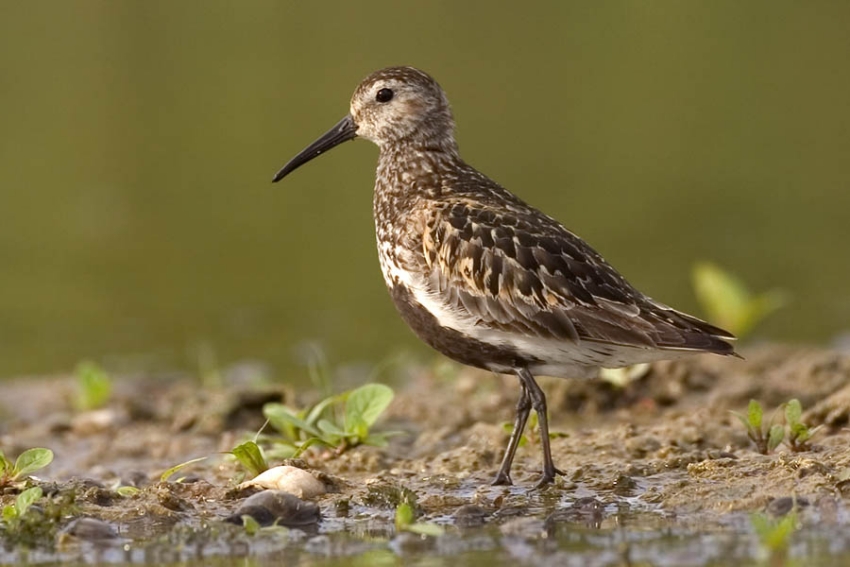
696 334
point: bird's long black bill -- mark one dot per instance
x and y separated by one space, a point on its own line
344 130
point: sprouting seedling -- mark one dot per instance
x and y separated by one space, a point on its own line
775 535
799 433
250 456
14 513
727 301
252 527
169 472
94 386
340 422
405 521
766 440
27 462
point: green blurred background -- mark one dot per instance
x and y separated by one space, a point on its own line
139 141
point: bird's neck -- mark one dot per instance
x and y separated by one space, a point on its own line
414 168
407 175
418 144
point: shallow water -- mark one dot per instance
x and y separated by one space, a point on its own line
619 534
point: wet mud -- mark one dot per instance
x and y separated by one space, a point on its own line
657 471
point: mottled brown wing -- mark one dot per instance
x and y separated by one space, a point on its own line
517 272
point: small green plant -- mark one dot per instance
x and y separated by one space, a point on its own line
340 422
127 491
799 433
27 462
251 525
728 303
94 386
250 456
775 535
208 367
405 517
766 437
176 468
13 513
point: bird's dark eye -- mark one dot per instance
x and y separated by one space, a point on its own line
384 95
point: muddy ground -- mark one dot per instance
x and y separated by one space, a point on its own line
656 472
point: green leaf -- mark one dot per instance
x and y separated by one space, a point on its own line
317 411
741 418
32 460
754 414
375 440
94 386
330 428
272 412
250 456
727 301
723 296
10 514
251 525
278 414
403 516
280 450
793 412
164 476
760 307
799 432
127 491
309 443
366 404
775 534
774 438
26 498
4 463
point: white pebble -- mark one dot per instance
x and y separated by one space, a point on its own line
293 480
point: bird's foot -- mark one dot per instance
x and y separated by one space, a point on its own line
544 481
502 479
548 478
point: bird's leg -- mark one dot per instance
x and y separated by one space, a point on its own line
523 409
538 402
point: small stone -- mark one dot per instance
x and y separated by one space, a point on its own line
91 529
624 485
275 506
641 445
470 515
293 480
586 511
96 421
778 507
